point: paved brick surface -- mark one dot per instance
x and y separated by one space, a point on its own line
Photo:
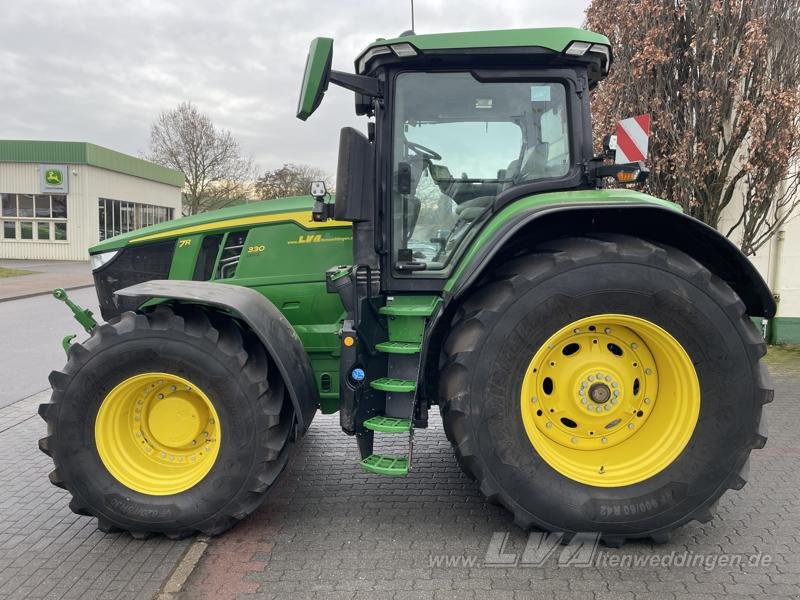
46 551
331 531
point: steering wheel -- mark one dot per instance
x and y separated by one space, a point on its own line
422 151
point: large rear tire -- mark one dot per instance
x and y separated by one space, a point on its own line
168 422
605 385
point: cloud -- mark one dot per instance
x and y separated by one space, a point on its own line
100 71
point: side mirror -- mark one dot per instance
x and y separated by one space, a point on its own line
315 77
318 75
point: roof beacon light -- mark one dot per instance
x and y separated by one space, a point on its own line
577 48
403 50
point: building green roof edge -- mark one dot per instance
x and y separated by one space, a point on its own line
84 153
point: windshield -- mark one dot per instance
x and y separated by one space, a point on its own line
458 143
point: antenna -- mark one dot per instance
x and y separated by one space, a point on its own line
412 15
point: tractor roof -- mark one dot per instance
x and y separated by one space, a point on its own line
570 41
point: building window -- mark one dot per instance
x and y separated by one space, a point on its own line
34 217
118 216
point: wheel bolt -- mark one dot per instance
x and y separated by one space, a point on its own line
533 399
647 400
608 407
161 396
614 401
631 425
574 440
174 388
634 346
616 392
607 330
549 425
608 377
604 440
590 378
648 371
583 400
212 420
590 407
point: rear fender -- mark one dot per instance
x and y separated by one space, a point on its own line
270 326
651 222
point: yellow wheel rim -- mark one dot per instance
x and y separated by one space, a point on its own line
610 400
157 434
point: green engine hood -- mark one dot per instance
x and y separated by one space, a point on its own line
296 209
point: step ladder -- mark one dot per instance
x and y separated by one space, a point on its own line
406 318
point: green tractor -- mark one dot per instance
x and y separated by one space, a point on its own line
592 351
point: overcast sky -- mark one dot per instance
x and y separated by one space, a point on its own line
101 70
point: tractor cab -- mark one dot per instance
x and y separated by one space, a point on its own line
463 124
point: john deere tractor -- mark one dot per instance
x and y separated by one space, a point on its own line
591 350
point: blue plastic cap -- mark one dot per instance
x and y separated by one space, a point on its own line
358 374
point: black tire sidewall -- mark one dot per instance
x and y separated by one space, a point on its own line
722 437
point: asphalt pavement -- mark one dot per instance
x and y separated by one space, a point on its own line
31 330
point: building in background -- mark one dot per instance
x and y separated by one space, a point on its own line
59 198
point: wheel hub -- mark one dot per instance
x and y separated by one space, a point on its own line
599 393
174 421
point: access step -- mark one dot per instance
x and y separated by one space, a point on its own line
398 347
387 384
388 424
411 306
385 465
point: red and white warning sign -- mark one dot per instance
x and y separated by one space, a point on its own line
632 139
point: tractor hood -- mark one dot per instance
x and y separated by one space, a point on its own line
296 209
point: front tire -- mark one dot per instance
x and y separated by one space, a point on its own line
513 365
167 422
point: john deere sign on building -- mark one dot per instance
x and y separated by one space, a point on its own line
59 198
52 179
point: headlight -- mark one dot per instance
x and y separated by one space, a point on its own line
98 260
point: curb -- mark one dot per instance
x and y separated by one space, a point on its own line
34 294
183 569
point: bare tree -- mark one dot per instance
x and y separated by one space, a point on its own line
289 180
217 174
721 80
